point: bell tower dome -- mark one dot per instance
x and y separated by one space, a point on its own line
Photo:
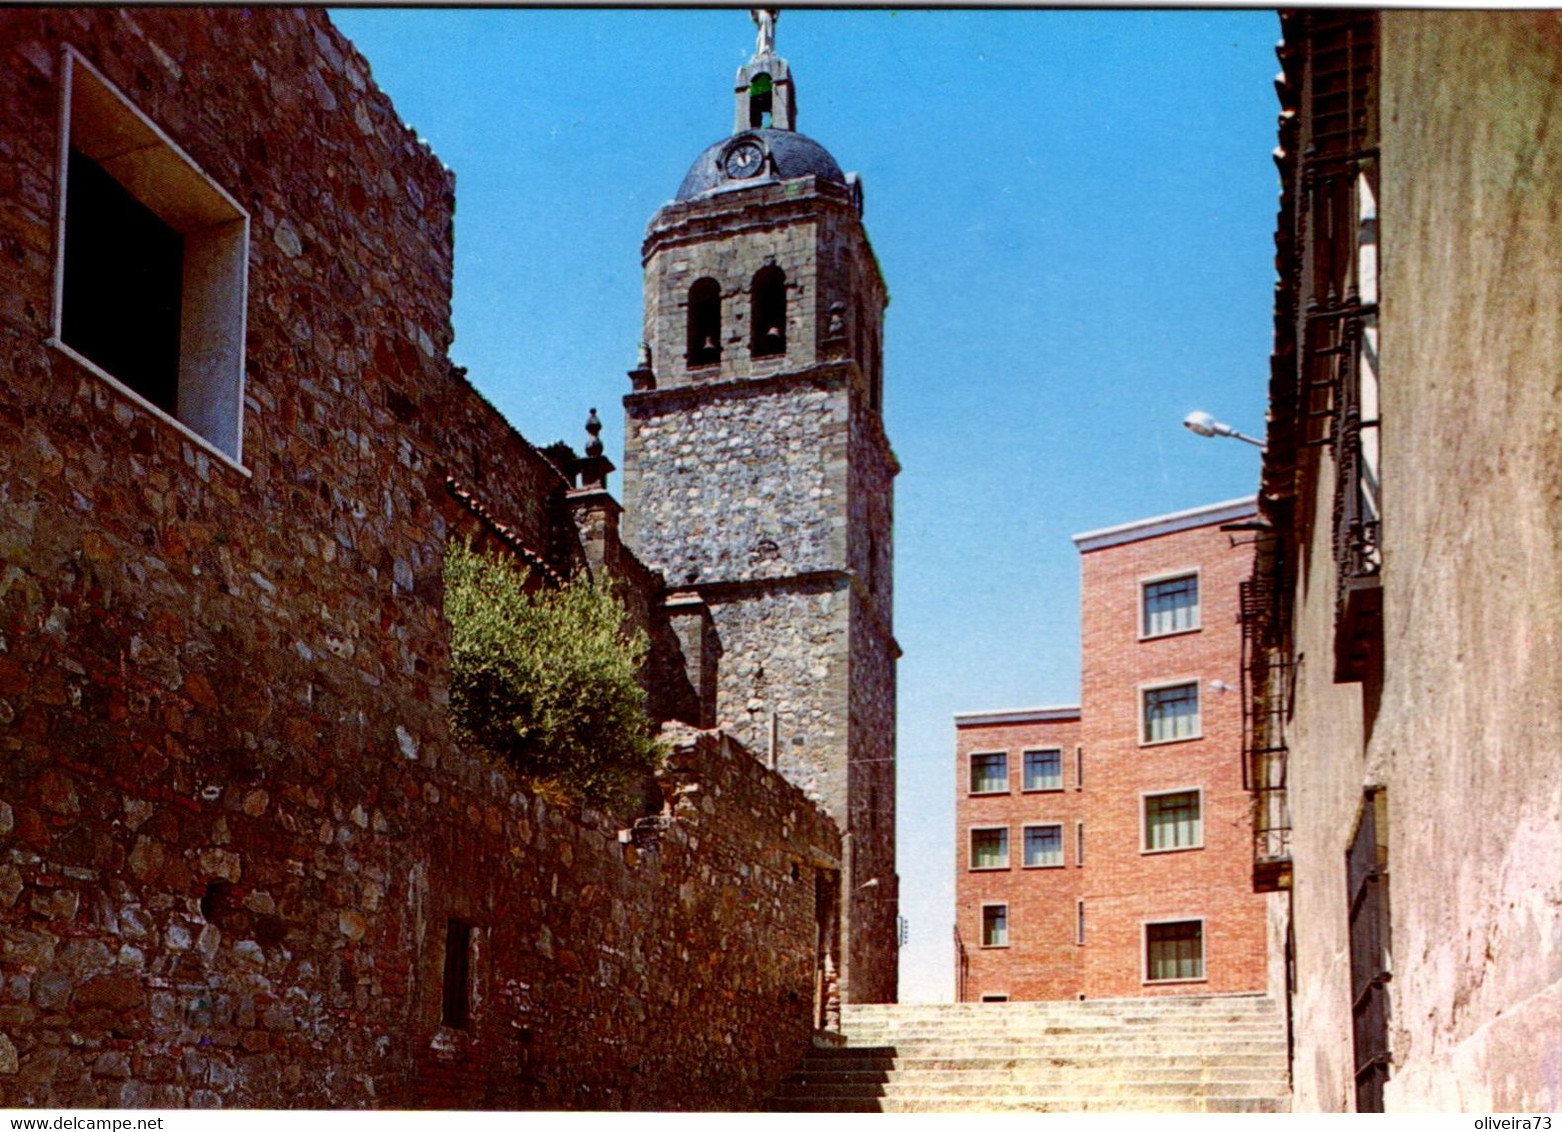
758 479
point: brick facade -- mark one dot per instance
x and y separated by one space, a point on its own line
1124 884
235 832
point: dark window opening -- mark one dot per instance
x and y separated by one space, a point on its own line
123 284
1174 951
704 323
760 102
1366 886
456 1007
768 295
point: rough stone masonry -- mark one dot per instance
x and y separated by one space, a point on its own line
242 863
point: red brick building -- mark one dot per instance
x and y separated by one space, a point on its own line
1102 849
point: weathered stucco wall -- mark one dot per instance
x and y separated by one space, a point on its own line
1472 398
1460 724
233 827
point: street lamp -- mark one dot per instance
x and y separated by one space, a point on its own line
1206 425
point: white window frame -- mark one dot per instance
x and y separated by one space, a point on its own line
1144 819
1145 583
1062 861
970 848
1144 950
1025 787
1196 683
981 927
970 773
215 228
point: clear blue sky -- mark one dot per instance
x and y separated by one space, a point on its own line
1074 212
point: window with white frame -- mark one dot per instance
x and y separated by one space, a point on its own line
1173 821
152 265
1043 846
1170 605
995 925
990 772
1044 769
990 848
1174 951
1171 712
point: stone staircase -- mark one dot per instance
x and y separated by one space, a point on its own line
1206 1053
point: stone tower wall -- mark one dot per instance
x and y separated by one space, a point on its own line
234 826
739 481
767 485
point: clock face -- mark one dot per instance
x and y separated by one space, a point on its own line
744 160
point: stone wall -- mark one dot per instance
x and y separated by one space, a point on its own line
233 826
739 481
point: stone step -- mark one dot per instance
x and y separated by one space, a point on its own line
1171 1004
1070 1049
1139 1087
867 1036
1213 1054
1169 1071
1232 1103
1019 1067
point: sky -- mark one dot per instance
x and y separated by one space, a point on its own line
1073 210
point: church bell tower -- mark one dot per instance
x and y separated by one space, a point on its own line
758 479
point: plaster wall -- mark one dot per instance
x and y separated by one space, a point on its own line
1472 701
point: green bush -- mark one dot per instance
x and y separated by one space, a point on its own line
546 681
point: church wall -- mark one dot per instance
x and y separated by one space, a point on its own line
740 481
784 653
233 826
871 767
677 255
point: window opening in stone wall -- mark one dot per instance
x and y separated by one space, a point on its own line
995 998
768 308
1043 846
704 323
995 925
990 848
1079 768
990 773
1171 606
456 1006
122 284
1172 821
1079 922
152 265
1171 713
761 95
1079 844
1174 951
1044 770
